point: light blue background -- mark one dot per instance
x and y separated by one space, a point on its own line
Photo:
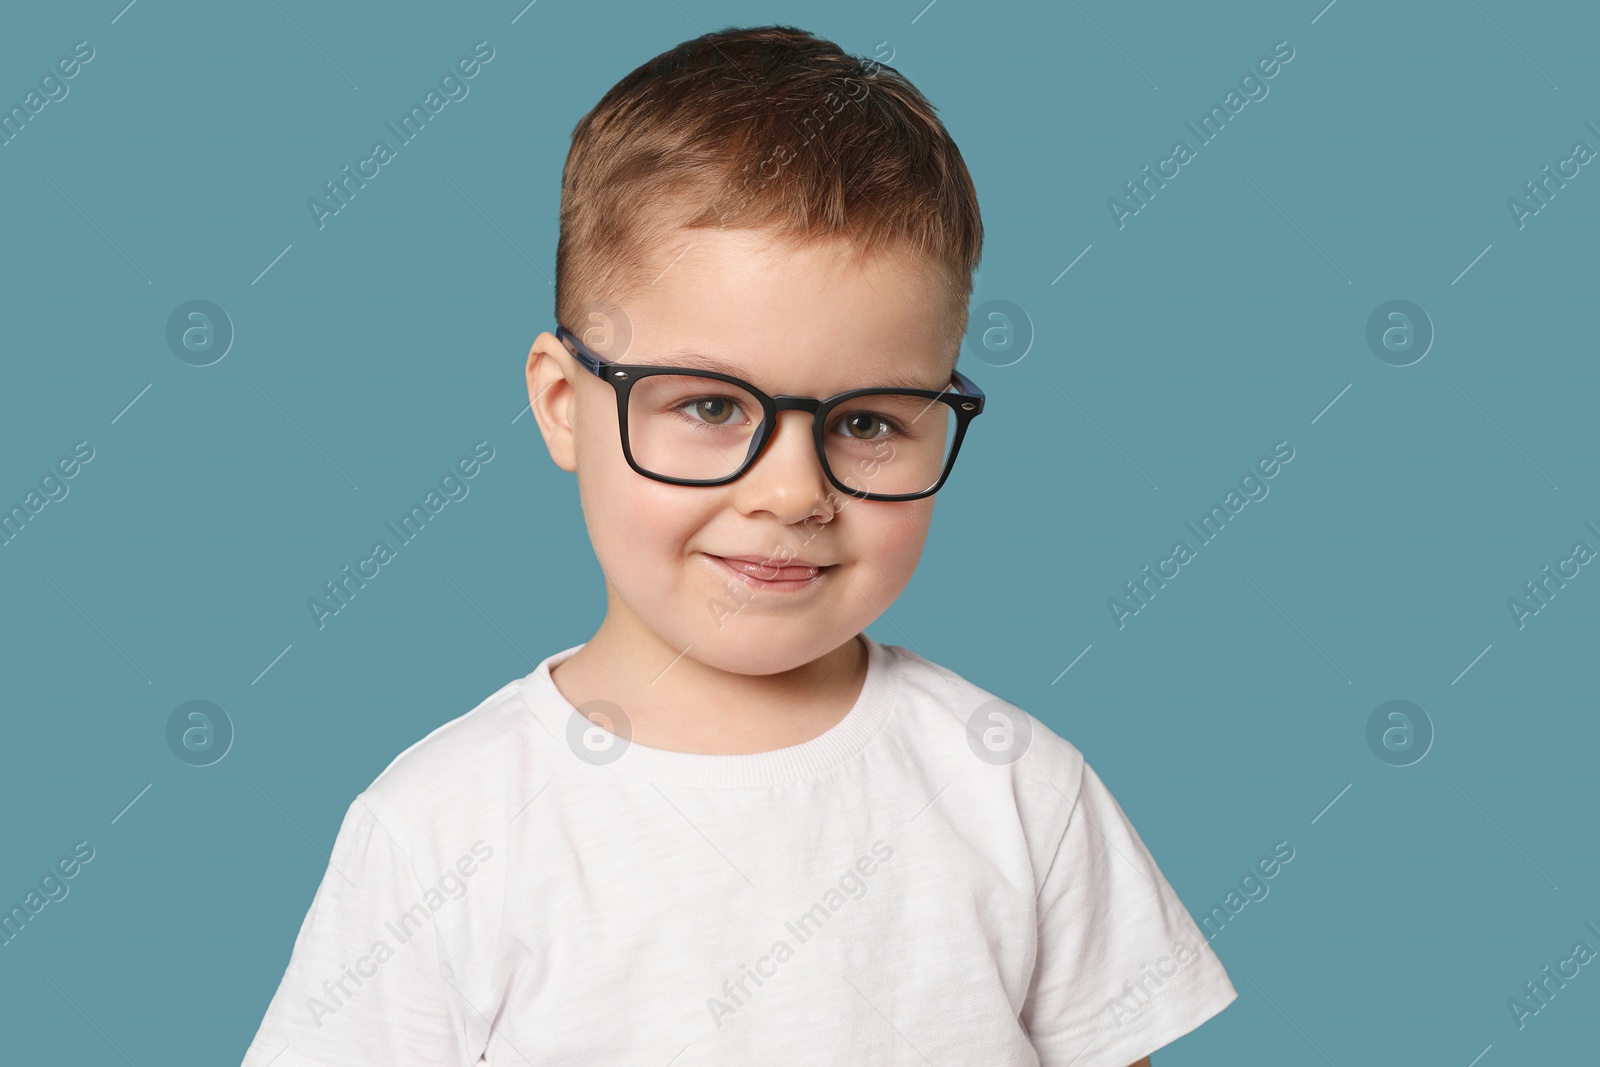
1207 329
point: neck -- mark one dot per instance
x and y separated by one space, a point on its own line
678 702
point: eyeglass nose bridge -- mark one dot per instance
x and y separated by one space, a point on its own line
810 405
796 403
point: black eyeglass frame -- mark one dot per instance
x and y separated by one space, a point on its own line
967 405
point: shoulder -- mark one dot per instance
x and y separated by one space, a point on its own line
1005 733
980 737
460 779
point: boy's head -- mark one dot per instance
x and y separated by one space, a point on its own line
760 199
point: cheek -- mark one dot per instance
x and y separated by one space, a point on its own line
637 526
888 538
631 521
616 500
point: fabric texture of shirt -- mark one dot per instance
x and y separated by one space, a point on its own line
521 887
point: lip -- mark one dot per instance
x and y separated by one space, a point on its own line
781 586
767 561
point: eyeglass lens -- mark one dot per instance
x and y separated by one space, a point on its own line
680 426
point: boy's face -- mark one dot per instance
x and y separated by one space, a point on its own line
801 321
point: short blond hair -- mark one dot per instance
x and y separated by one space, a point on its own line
765 128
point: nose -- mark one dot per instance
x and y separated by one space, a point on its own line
786 479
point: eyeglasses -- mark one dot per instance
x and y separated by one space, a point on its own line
688 426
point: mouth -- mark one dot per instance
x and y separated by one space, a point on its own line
770 575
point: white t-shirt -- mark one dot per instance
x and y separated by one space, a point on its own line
902 889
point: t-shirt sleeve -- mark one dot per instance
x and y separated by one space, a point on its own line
367 982
1121 968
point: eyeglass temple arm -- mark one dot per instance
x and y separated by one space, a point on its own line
594 364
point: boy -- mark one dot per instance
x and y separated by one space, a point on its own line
731 828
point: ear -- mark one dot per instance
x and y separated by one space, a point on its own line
553 399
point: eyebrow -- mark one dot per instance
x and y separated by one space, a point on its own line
711 363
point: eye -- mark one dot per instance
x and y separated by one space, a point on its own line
867 425
711 410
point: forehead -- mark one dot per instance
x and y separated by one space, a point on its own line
811 320
906 377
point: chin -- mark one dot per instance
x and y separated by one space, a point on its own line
757 647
